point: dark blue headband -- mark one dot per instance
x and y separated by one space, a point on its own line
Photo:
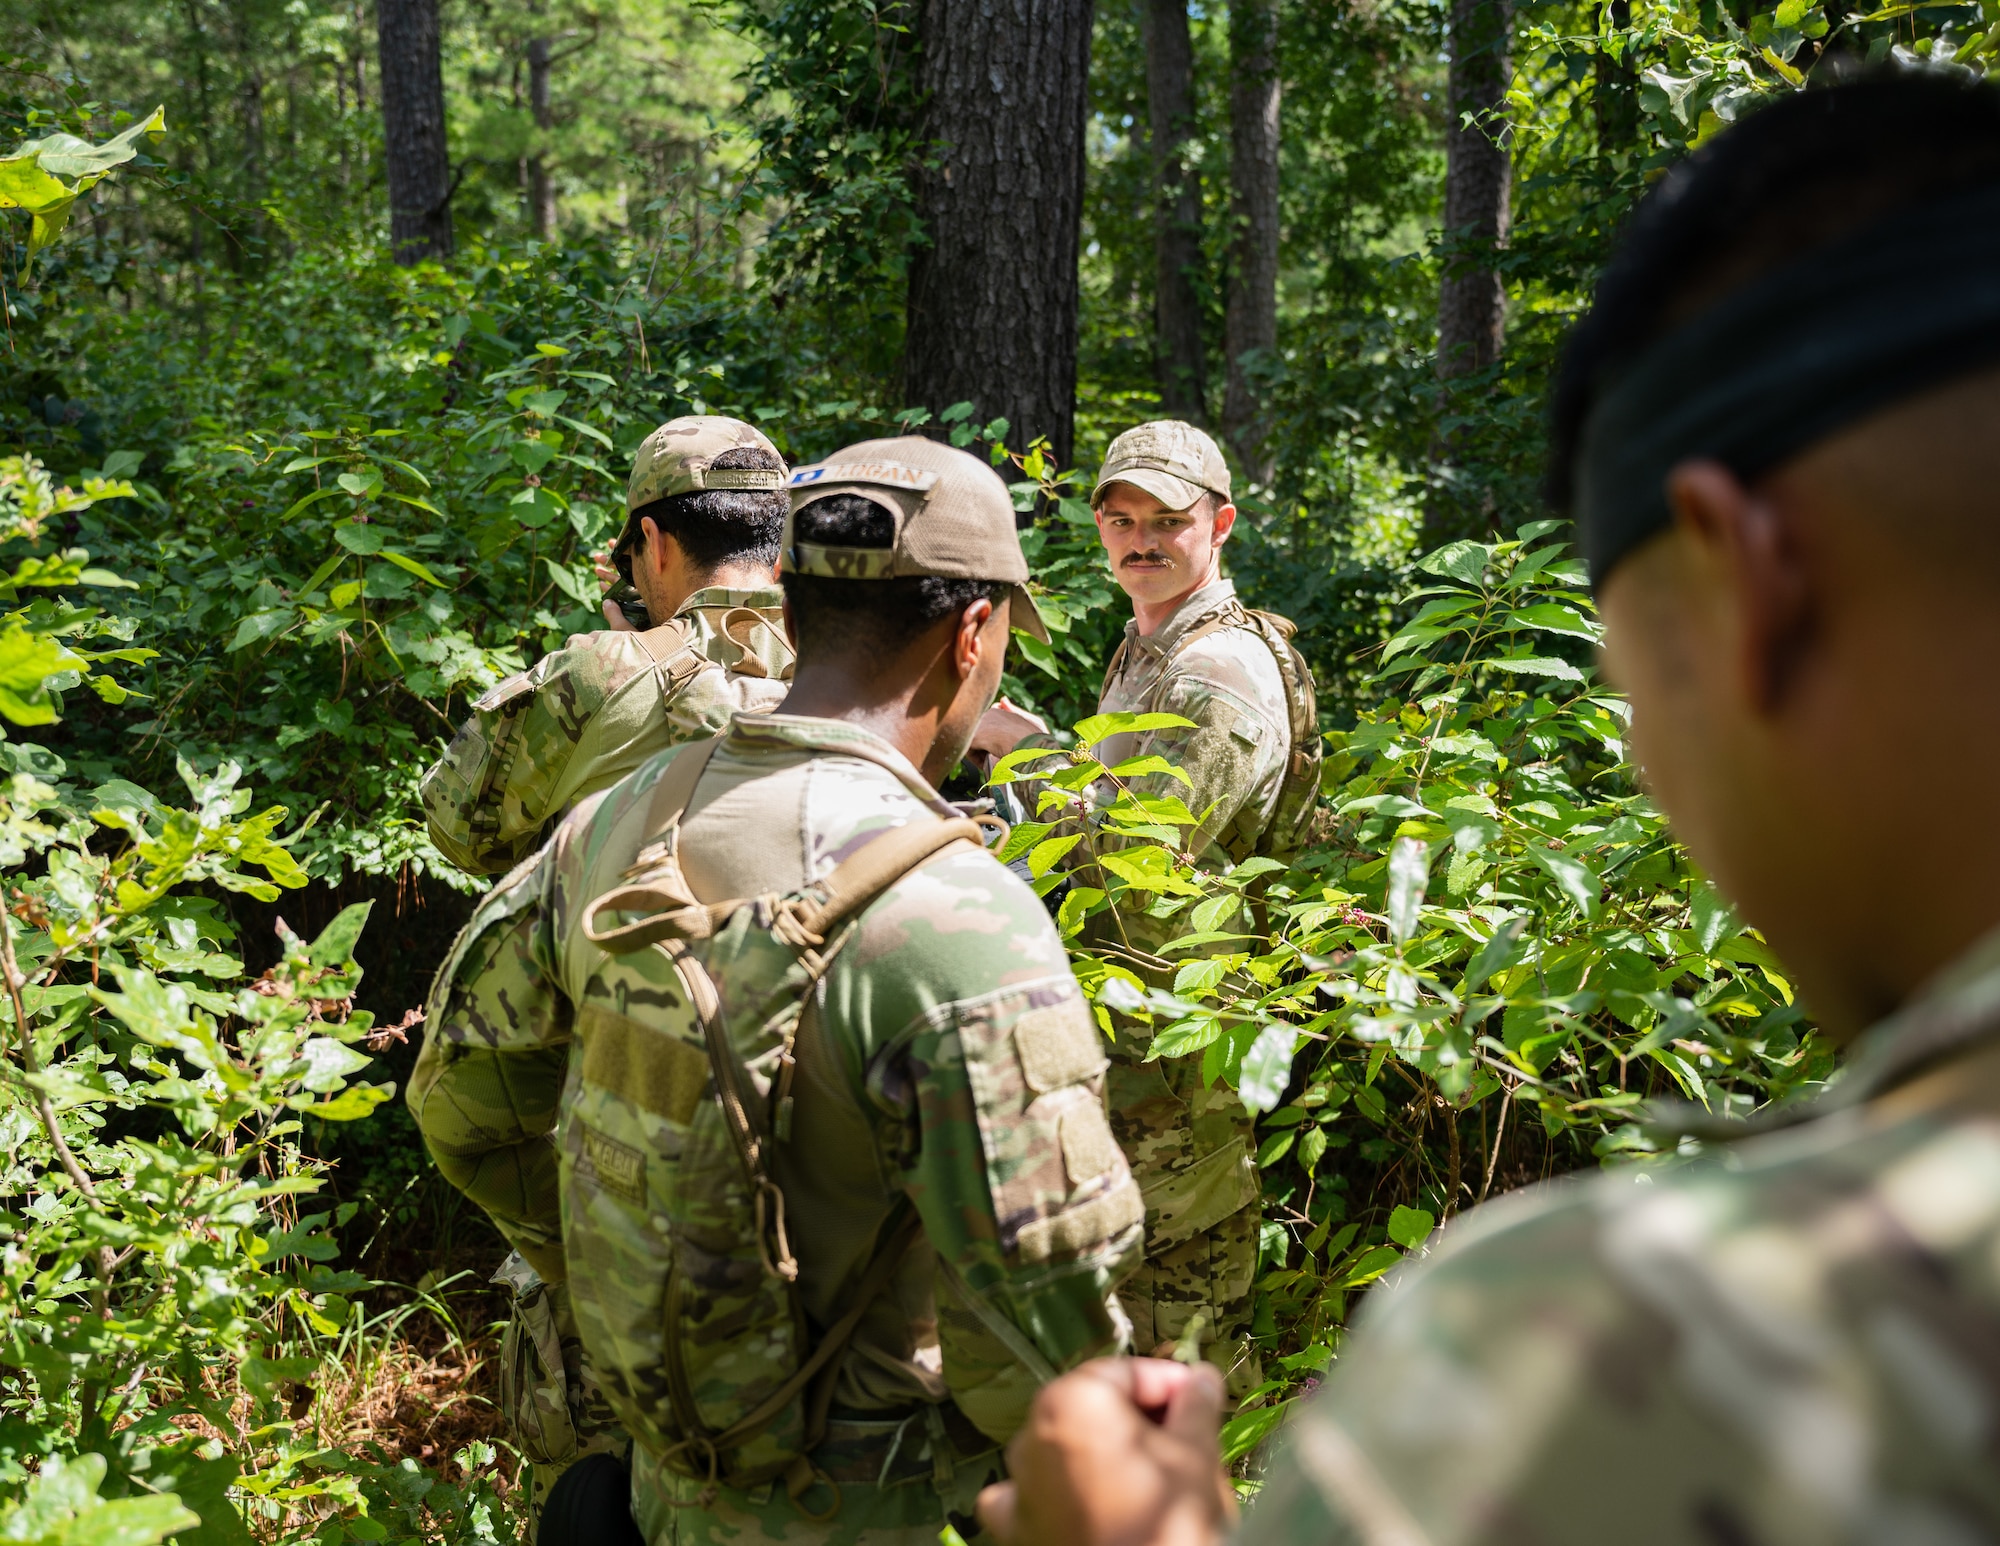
1909 303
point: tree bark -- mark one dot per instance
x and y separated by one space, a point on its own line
992 301
1178 358
1615 97
1251 315
1478 176
413 140
541 188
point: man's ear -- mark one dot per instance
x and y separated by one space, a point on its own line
1747 548
659 549
1225 522
968 645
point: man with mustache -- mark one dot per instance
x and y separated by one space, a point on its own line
1251 753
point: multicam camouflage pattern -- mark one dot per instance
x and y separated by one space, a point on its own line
1228 684
1191 1147
1793 1345
556 1410
591 712
841 563
678 457
948 1062
900 1478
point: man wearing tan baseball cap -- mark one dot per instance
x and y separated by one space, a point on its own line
704 509
1251 752
952 1211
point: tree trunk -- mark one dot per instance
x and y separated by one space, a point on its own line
413 140
1615 99
1478 175
1178 358
993 295
541 189
1251 316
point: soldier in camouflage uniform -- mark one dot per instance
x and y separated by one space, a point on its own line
1787 505
1251 754
942 1085
704 508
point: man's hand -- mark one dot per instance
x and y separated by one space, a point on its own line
1004 727
1121 1452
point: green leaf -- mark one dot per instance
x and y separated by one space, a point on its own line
27 662
533 455
1463 561
306 504
405 562
365 540
1094 729
1578 880
1267 1068
544 404
1714 919
1537 665
1138 767
362 485
259 625
1017 763
1411 1227
1409 874
1371 1266
1044 855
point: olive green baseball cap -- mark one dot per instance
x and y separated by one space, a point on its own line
954 519
675 459
1174 462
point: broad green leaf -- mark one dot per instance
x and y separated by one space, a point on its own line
365 540
28 661
1714 919
404 562
260 625
1409 873
1578 880
544 404
1044 855
362 485
1023 763
1267 1067
1411 1227
533 455
1464 561
1537 665
1094 729
335 945
1548 617
1139 767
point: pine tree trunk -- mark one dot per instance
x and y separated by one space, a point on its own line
1178 358
413 129
1472 304
1251 316
1615 99
993 295
541 188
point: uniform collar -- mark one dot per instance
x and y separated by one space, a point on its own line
1198 604
765 598
753 733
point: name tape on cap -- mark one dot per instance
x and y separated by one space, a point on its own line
887 474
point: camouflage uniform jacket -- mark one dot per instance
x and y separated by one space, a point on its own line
591 712
954 1063
1797 1342
1228 684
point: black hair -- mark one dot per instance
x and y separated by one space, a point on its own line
716 526
1811 168
841 617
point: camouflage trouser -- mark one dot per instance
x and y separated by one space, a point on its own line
556 1411
1192 1151
891 1482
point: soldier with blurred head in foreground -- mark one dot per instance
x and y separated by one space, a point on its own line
1779 433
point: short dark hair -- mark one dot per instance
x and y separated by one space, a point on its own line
717 526
841 617
1805 171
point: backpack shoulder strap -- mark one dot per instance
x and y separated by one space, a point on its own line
1112 670
672 648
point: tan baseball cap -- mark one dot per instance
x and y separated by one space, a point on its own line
675 459
954 518
1174 462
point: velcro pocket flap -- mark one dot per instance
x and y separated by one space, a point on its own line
1058 1046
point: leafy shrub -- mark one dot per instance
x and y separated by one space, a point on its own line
1488 961
169 1314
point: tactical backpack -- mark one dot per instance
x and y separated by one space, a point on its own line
721 1375
1298 788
